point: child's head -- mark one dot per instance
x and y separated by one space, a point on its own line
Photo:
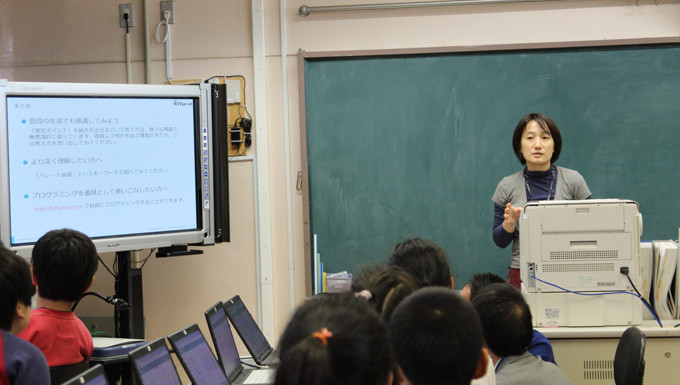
506 319
64 262
386 288
425 260
16 290
479 281
365 273
335 339
437 338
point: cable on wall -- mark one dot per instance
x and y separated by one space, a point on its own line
128 57
166 39
147 43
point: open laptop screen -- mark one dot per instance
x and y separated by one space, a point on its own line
245 325
223 340
93 376
196 357
154 365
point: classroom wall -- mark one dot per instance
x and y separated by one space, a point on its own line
493 24
80 41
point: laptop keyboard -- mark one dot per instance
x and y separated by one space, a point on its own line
261 376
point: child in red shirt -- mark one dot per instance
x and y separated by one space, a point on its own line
63 266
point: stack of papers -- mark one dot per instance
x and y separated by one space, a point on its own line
661 272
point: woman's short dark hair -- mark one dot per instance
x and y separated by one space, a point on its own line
547 125
335 339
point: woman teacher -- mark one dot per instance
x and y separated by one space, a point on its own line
537 143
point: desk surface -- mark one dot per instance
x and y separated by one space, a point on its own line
107 342
649 327
113 350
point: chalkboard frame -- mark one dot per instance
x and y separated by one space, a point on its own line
305 57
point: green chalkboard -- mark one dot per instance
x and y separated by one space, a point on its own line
414 145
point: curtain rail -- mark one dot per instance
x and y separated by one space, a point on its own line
305 10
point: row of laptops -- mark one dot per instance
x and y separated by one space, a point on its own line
153 364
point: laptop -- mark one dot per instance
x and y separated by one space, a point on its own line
250 333
153 364
227 354
93 376
196 357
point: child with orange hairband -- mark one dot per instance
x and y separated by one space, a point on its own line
335 339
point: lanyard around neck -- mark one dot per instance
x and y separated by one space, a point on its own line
550 189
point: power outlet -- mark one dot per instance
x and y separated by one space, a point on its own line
233 91
128 9
531 267
170 7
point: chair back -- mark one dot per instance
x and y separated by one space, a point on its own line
63 373
629 361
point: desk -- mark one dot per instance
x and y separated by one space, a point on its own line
112 353
586 354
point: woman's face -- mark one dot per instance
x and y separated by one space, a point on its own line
537 147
